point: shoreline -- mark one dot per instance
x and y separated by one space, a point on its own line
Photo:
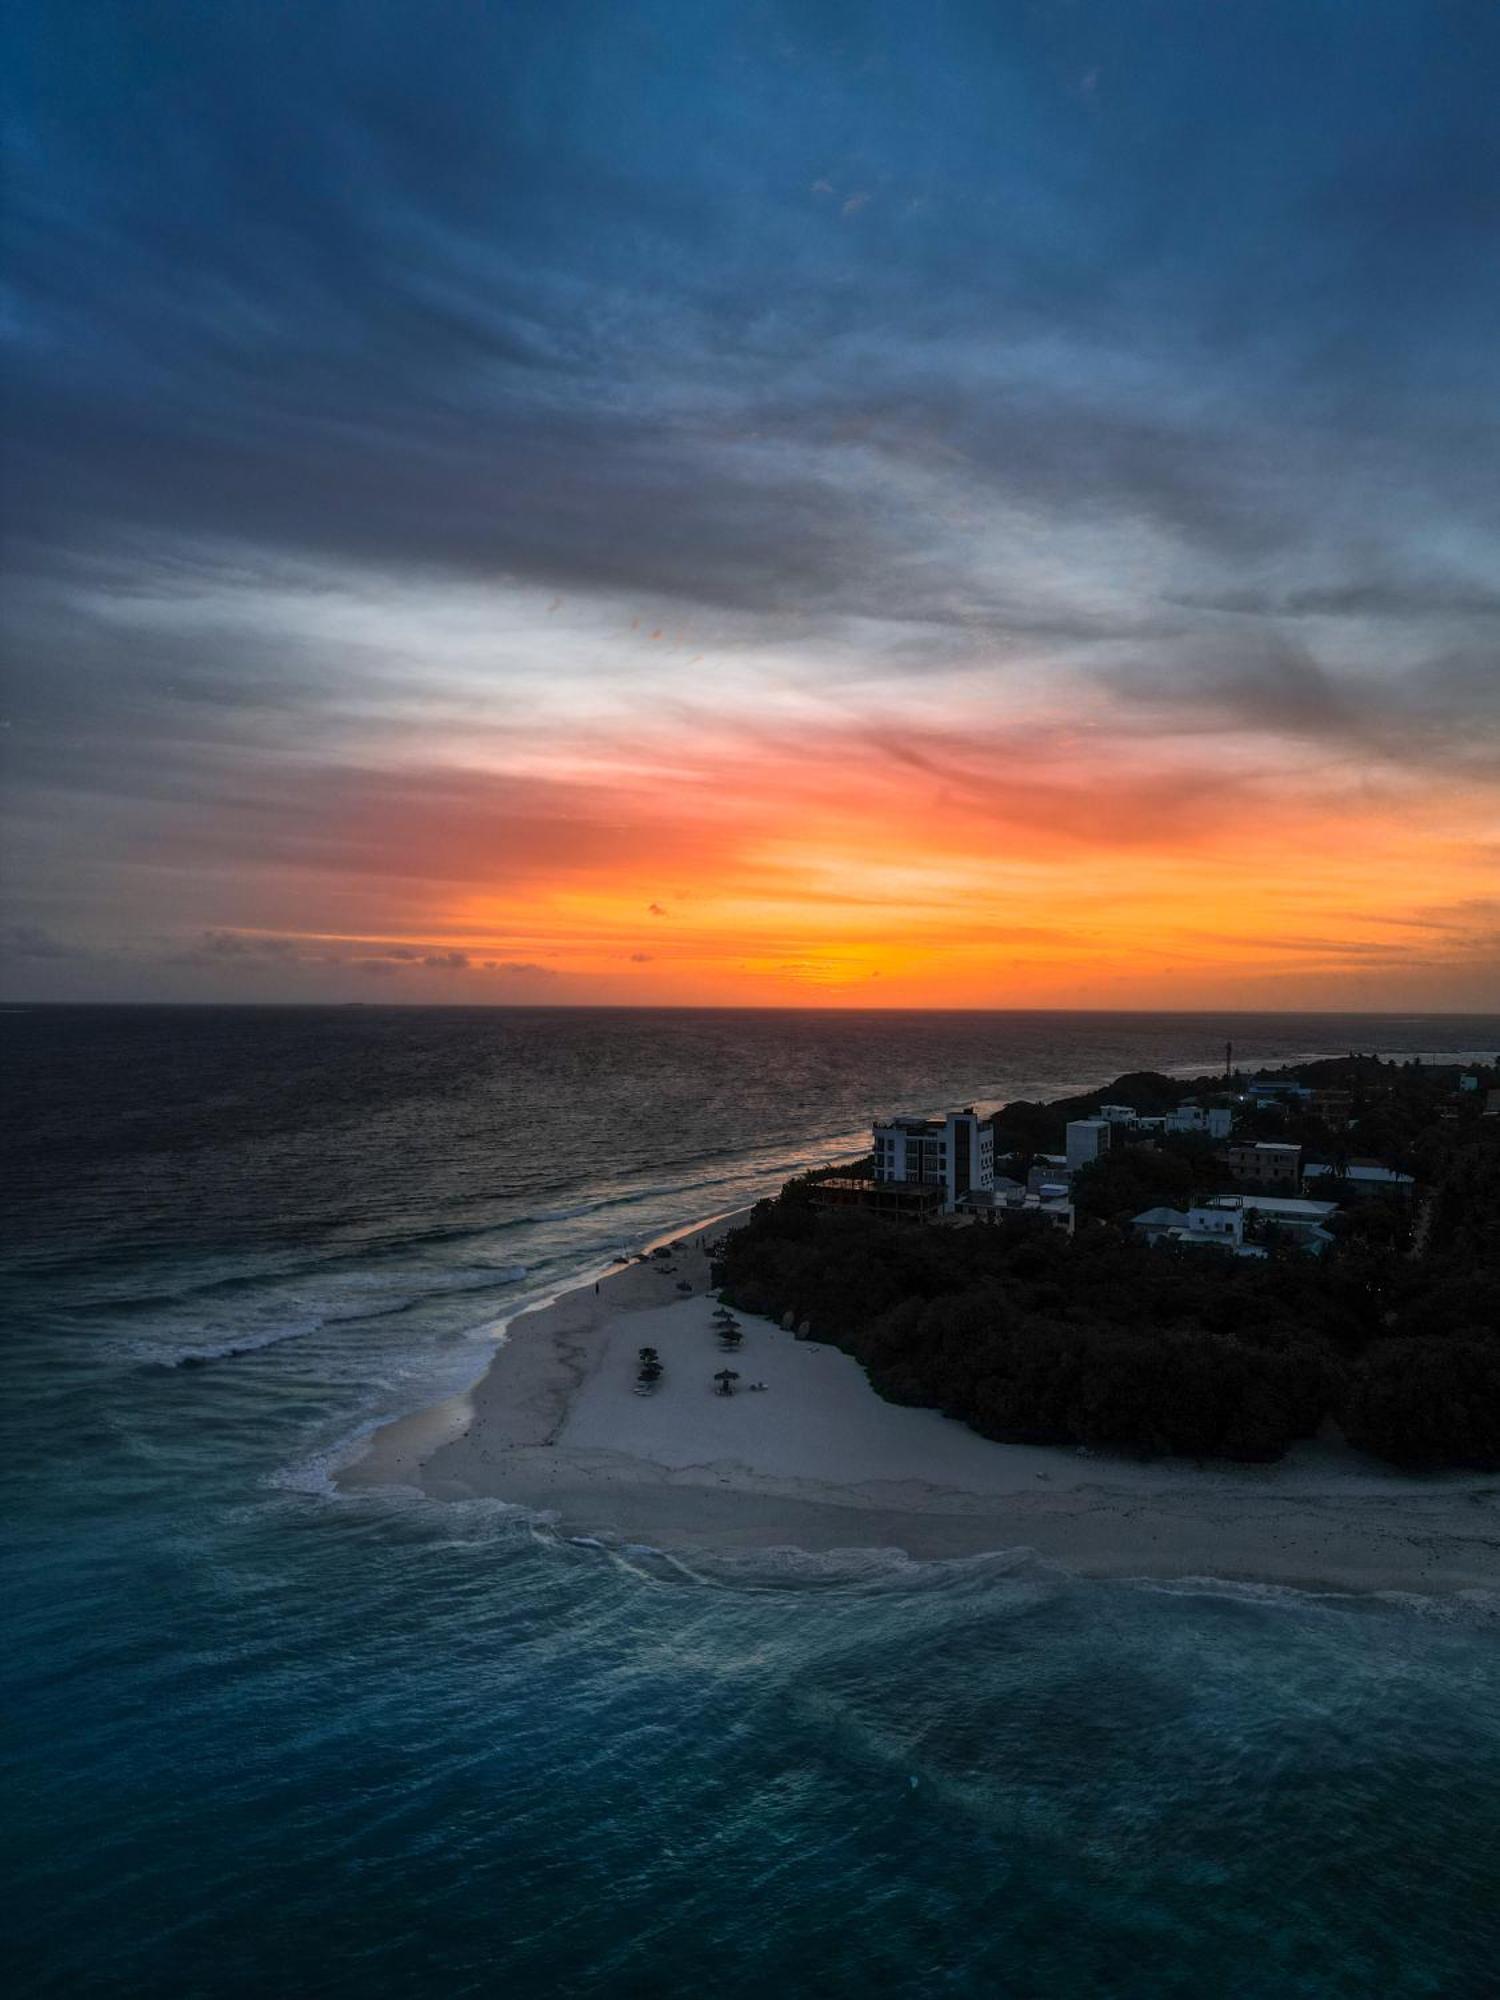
820 1463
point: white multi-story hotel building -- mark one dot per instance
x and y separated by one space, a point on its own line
956 1153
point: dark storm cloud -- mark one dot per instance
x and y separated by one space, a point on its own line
489 298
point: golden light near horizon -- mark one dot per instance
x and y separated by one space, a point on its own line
759 882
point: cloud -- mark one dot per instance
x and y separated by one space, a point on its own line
19 941
1445 712
347 376
365 428
234 944
371 955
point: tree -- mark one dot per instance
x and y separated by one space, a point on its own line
1428 1402
1123 1182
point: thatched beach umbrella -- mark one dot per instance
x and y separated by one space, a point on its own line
726 1379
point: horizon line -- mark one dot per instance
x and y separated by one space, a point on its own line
711 1007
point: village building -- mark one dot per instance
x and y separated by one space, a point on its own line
1265 1163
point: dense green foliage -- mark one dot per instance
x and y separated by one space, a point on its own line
1103 1341
1131 1178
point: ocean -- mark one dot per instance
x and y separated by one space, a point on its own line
260 1738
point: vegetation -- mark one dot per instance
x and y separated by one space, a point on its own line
1103 1341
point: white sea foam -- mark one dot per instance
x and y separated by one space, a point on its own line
199 1354
314 1474
1468 1607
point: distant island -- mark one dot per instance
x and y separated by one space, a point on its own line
1242 1261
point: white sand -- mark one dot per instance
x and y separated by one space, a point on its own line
818 1461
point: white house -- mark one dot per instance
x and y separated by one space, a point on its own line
1304 1222
1010 1199
1213 1121
1235 1222
1196 1229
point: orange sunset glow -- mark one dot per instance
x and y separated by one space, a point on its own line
828 557
891 867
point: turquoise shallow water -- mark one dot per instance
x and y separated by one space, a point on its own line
258 1739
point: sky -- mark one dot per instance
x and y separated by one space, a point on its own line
820 504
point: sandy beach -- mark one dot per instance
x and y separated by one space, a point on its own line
817 1461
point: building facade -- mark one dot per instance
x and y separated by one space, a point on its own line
1214 1121
1245 1224
1361 1180
1088 1139
1211 1121
1278 1091
956 1153
1265 1163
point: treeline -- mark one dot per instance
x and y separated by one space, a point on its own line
1098 1340
1026 1126
1393 1107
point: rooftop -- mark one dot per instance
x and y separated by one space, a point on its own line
1291 1207
921 1125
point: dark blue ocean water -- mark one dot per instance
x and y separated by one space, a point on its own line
259 1739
